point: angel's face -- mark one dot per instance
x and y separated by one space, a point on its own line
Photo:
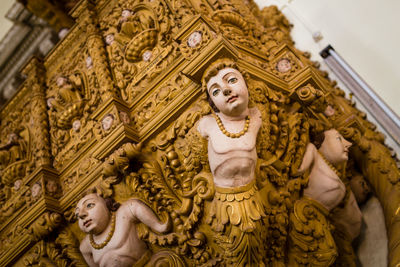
92 214
228 91
194 39
109 39
334 147
107 122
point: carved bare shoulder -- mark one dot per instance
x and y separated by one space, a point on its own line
85 247
308 159
204 124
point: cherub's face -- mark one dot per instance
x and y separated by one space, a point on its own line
93 214
283 65
89 62
360 188
194 39
126 13
109 39
51 186
334 147
36 190
228 91
61 81
17 184
107 122
76 125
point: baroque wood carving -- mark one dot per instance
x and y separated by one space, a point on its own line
127 109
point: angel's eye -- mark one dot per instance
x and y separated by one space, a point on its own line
215 92
90 205
232 80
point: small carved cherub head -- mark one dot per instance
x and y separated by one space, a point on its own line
124 117
51 186
126 13
17 184
50 102
283 65
194 39
107 122
226 87
360 187
329 111
94 212
333 146
36 190
109 39
76 125
89 62
147 55
61 81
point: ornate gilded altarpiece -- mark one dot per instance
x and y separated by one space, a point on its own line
115 105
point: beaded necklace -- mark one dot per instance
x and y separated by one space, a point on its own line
109 236
330 164
232 135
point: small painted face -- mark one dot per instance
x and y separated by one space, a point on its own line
329 111
36 190
334 147
360 188
283 65
61 81
51 186
126 13
76 125
107 122
124 117
50 102
92 214
147 55
194 39
89 62
109 39
17 184
228 91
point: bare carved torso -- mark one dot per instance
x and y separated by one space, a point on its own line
124 249
232 160
324 185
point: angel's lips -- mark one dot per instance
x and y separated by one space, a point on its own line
87 223
232 99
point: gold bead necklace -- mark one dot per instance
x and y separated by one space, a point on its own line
109 236
330 165
232 135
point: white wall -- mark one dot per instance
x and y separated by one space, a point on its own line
5 24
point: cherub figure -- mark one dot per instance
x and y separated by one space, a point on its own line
112 238
232 132
325 191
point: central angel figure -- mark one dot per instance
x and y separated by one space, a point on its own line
237 211
232 130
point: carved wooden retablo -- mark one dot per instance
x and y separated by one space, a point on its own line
132 106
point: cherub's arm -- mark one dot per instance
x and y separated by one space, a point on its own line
87 252
143 213
308 159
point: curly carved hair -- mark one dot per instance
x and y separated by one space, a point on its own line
213 70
